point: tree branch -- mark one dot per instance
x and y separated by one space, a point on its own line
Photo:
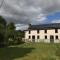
1 3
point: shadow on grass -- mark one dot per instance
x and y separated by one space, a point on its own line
14 53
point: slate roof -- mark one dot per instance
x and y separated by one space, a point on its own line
45 26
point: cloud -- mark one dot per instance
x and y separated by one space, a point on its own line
39 19
28 11
21 26
55 21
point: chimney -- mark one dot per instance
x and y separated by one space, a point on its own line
29 26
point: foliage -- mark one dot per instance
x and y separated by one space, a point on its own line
2 25
13 36
18 36
2 21
8 34
2 30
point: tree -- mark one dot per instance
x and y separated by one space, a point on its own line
2 21
2 25
19 36
2 30
2 1
10 32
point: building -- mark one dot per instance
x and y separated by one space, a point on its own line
49 33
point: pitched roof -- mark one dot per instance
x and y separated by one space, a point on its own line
45 26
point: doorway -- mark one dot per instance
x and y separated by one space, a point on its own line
33 38
51 38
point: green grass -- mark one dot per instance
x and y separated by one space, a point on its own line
30 51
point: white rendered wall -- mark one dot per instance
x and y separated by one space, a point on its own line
42 35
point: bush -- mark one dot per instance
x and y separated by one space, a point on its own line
1 40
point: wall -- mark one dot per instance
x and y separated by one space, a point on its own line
42 35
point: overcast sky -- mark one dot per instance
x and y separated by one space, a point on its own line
31 11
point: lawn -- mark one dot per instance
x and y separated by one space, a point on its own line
30 51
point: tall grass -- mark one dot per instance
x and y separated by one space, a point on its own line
31 51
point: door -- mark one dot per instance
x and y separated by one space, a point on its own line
52 39
33 38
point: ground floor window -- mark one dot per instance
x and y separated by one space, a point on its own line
37 37
56 37
46 37
33 37
29 37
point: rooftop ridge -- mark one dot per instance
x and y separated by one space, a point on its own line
45 26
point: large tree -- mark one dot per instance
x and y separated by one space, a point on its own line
10 32
2 21
2 30
2 24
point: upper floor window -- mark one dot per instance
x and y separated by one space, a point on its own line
38 31
45 31
29 31
56 30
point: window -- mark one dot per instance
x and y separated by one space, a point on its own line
56 30
37 37
33 37
56 37
45 31
37 31
45 37
29 37
29 31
